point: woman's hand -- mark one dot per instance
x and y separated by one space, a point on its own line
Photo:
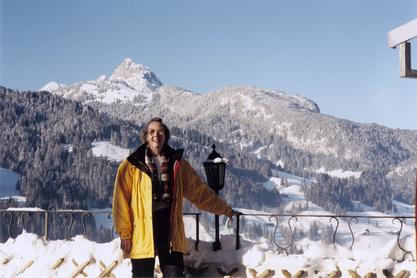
235 212
126 245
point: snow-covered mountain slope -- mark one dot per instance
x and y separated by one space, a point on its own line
129 83
262 104
270 124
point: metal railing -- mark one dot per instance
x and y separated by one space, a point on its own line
282 236
279 220
17 219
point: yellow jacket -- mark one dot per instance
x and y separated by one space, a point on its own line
132 203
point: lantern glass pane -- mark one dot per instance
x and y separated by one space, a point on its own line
215 173
221 174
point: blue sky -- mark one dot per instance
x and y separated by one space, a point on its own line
333 52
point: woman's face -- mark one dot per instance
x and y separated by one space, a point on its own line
155 137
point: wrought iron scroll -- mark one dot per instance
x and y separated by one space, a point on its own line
337 227
22 219
9 225
70 216
350 229
398 240
11 218
85 214
282 241
283 248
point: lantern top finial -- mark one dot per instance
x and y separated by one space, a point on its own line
213 155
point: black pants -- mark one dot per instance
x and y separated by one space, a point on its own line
172 263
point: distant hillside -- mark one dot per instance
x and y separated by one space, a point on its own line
287 130
47 139
38 130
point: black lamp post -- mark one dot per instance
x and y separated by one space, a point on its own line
215 167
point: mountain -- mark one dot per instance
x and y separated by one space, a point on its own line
286 130
129 83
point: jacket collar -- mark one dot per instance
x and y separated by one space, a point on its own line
137 158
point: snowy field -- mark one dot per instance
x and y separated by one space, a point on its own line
109 151
8 180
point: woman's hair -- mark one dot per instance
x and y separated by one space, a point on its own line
144 131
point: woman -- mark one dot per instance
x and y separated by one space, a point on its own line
148 200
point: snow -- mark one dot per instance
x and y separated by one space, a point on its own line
123 95
8 180
89 88
245 144
340 173
318 260
244 101
294 179
21 200
136 76
219 160
375 237
272 183
404 209
129 83
69 148
401 170
258 151
101 78
280 163
349 154
51 86
31 209
283 127
109 151
259 102
315 145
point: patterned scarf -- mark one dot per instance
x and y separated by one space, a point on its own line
160 185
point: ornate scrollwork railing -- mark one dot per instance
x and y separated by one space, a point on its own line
69 219
284 247
15 220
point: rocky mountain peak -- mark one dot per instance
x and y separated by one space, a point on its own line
136 75
129 83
